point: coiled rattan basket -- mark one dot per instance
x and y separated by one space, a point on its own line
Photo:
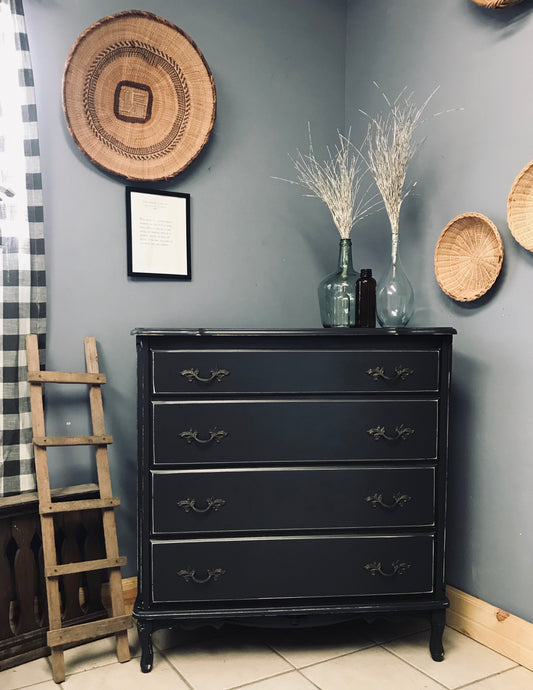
497 4
520 207
468 257
138 96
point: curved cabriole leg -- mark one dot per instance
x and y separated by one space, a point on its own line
145 638
438 622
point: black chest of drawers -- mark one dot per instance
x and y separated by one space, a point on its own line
291 476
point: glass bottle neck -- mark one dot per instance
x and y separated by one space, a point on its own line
345 256
395 249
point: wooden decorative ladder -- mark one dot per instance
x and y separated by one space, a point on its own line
118 622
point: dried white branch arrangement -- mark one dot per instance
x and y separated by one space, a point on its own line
338 182
390 145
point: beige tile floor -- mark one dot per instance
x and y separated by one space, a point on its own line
357 655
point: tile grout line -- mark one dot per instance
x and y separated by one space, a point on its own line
492 675
316 663
299 669
32 685
458 687
276 675
167 660
309 680
340 656
397 656
291 670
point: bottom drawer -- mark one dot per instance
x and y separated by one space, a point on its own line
291 567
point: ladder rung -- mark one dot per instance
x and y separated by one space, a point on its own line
86 631
66 491
65 377
72 440
85 566
82 504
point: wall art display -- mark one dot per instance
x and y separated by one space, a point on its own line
520 207
138 96
468 257
158 225
497 4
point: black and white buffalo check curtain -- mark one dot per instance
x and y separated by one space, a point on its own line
23 286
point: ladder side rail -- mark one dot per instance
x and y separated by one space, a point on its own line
47 521
104 481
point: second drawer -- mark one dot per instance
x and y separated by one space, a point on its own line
291 499
300 430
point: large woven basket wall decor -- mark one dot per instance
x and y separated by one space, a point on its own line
497 4
468 257
520 207
138 96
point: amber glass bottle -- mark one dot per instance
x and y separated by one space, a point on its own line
365 300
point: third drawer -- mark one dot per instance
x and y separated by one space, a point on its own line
292 499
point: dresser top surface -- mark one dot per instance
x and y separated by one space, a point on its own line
318 332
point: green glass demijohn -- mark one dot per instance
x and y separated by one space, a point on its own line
336 292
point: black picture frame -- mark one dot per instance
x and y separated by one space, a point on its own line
158 234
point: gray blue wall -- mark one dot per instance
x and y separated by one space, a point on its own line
259 249
470 157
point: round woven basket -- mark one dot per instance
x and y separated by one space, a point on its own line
138 96
468 257
520 207
496 4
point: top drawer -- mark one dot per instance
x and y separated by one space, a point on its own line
290 371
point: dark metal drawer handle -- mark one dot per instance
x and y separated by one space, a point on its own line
215 435
194 375
189 504
401 431
398 568
189 575
399 373
398 500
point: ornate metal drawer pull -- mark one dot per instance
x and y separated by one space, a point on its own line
189 575
194 375
215 435
401 432
399 501
189 504
399 373
398 568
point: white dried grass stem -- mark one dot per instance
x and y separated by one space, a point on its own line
338 182
390 147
